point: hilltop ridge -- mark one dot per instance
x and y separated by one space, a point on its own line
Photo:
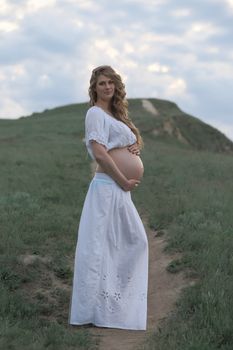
157 118
166 120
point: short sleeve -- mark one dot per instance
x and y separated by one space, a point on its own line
96 128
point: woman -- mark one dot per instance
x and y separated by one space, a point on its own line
111 259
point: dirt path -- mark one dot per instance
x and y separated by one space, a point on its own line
164 290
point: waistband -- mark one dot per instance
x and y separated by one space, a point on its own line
106 179
103 177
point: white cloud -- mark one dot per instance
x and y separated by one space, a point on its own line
230 4
78 23
219 70
34 5
148 2
158 68
185 12
8 26
44 81
18 10
86 5
177 87
103 45
2 76
11 109
4 7
212 50
128 48
130 64
200 31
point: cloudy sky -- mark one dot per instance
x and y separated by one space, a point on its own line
170 49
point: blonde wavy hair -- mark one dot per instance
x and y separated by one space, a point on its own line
119 104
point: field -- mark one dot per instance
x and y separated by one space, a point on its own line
187 191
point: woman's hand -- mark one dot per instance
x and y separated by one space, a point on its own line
134 148
131 184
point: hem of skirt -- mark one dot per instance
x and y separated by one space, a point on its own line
108 326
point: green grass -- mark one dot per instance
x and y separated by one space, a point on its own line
45 175
193 201
44 180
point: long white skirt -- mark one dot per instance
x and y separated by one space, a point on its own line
111 260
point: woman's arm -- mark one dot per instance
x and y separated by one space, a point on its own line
109 166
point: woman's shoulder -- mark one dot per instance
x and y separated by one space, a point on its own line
95 116
95 110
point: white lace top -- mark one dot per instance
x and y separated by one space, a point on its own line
106 130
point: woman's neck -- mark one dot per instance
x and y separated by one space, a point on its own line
105 106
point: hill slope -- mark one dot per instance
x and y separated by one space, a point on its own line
167 121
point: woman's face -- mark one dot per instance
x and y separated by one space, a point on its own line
105 88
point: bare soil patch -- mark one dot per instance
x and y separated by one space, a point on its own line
150 107
48 291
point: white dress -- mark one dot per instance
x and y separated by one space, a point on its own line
110 279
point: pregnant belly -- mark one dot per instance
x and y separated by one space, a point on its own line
128 163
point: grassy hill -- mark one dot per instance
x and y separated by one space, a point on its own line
172 122
188 189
